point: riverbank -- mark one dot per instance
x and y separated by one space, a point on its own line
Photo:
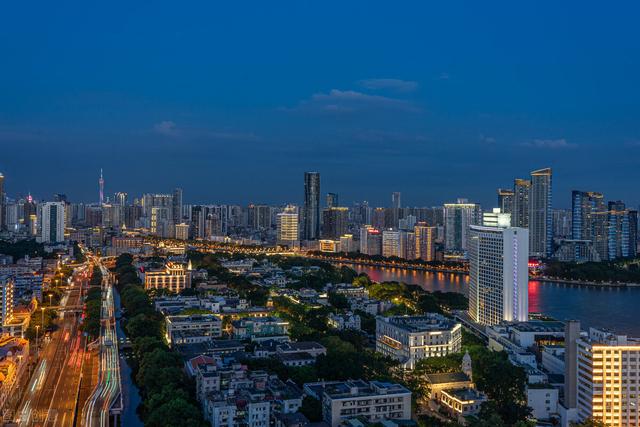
585 283
410 267
391 264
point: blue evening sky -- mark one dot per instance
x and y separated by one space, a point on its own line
233 101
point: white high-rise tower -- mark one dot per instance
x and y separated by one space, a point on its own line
499 275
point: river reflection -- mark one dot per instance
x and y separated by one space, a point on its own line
613 308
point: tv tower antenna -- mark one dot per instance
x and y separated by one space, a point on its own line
101 183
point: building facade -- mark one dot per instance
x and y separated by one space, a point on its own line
498 274
608 371
457 219
288 221
374 401
540 216
52 222
173 277
311 208
409 339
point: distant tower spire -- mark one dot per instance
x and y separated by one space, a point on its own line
101 183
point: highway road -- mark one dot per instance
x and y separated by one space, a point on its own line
107 394
51 396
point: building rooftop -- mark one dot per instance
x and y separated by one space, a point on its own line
299 355
360 388
299 346
465 394
193 318
444 378
425 323
539 326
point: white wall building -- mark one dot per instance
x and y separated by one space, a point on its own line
375 401
499 274
52 220
412 338
344 321
288 228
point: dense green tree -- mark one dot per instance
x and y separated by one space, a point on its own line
362 280
177 412
312 409
433 365
338 301
506 390
158 369
142 325
145 345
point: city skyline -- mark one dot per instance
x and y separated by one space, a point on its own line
192 99
560 201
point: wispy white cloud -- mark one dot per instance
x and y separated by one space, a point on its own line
487 139
383 136
170 129
349 101
552 144
389 84
166 128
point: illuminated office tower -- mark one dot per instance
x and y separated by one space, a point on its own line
618 224
52 225
521 194
540 217
505 200
498 274
311 208
496 218
346 243
457 219
288 221
162 222
335 222
370 240
589 220
407 244
6 299
182 231
120 198
391 243
425 238
332 200
608 371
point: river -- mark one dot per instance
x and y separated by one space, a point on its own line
617 309
130 393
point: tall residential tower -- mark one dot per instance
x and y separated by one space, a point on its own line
311 208
540 216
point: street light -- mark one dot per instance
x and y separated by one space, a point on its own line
50 295
37 349
42 309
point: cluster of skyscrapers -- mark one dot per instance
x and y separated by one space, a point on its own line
592 230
